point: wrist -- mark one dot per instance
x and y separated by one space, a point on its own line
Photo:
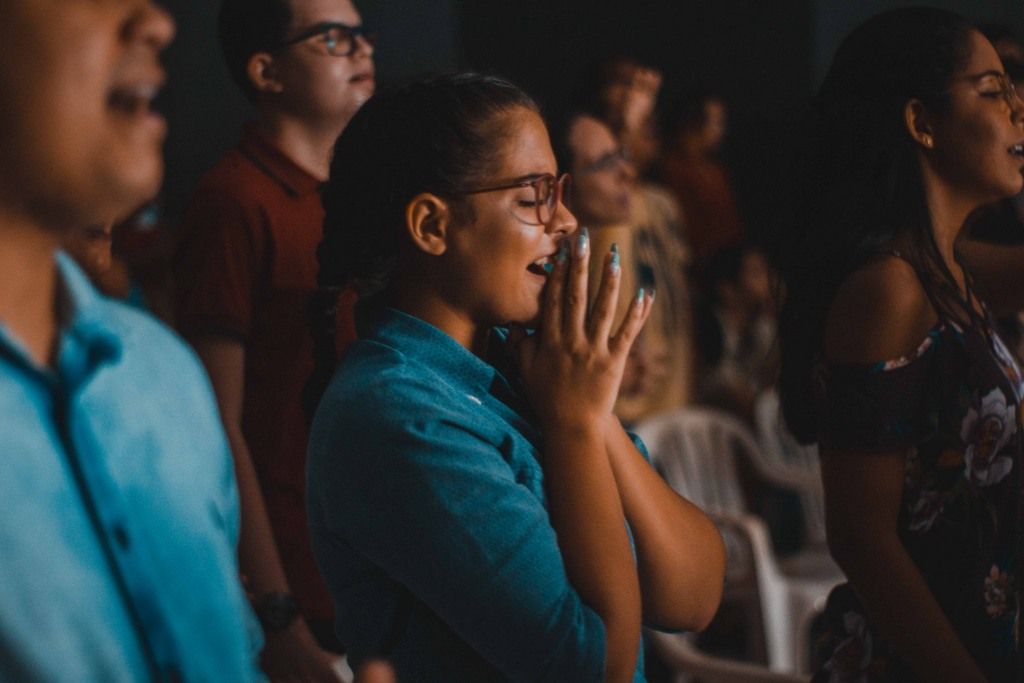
276 611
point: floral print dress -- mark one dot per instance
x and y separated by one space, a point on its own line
955 404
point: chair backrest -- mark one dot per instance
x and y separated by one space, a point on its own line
695 450
780 447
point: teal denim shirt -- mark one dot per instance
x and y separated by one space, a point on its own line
429 520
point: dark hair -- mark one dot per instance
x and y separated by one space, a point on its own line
725 265
862 189
438 135
688 110
245 27
594 80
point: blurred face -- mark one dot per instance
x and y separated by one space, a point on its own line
80 141
316 84
495 262
979 142
755 279
602 179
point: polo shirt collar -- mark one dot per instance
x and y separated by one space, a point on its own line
275 164
426 344
86 339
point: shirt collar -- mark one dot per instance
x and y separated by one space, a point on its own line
86 339
275 164
426 344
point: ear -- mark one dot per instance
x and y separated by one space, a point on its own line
427 219
262 72
918 123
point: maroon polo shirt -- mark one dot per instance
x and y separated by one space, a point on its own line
247 269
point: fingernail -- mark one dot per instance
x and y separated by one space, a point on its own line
652 293
615 256
582 241
548 267
563 252
640 294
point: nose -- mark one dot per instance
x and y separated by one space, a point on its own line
627 170
152 25
562 222
364 48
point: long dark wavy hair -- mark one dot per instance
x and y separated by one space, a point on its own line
862 189
440 135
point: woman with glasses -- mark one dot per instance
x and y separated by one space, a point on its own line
891 360
475 508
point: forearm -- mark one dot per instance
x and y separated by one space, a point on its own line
587 515
680 554
257 552
892 589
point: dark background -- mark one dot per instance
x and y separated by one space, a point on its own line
764 56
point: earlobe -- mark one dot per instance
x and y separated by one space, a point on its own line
262 73
427 218
916 119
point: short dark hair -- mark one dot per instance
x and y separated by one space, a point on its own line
245 27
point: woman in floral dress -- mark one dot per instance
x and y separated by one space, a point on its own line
891 361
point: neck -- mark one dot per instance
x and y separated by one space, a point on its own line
434 309
28 284
308 145
948 209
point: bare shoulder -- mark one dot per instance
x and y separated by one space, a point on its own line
880 312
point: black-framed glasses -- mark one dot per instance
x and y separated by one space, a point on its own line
548 191
339 39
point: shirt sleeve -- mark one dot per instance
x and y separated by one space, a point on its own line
433 503
224 259
882 406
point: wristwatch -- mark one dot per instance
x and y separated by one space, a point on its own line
276 611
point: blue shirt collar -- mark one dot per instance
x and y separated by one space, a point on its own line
87 340
427 344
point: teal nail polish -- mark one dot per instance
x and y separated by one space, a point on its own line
640 294
615 256
548 267
582 240
563 252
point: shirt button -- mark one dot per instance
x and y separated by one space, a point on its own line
121 537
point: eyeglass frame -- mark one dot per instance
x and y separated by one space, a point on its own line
559 188
1008 89
370 37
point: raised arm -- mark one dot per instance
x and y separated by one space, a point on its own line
680 553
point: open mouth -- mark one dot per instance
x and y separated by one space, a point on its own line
362 78
1017 150
134 99
542 266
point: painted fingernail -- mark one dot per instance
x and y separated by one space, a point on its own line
640 294
563 252
548 267
615 256
582 241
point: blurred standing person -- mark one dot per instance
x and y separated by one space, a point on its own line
658 372
696 127
248 263
118 506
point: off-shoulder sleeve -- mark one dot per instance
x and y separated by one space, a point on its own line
881 406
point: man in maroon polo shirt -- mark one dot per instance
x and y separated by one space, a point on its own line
248 271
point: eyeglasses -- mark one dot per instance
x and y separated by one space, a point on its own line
548 191
340 39
1007 89
607 162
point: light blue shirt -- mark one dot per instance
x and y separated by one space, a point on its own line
118 508
429 519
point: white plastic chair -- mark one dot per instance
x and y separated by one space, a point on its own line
792 461
687 662
695 450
